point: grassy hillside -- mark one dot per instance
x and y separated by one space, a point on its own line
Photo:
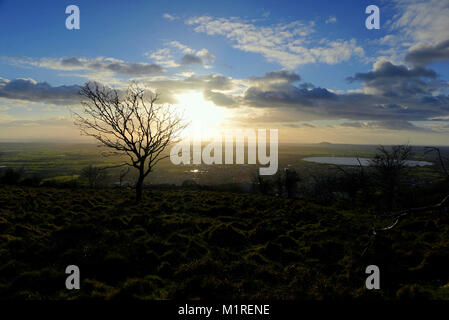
199 244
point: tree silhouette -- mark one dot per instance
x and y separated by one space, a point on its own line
130 122
389 165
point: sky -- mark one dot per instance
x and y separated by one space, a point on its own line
310 69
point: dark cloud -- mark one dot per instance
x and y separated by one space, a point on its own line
218 82
352 124
392 80
93 65
286 94
399 125
392 106
391 92
129 69
388 70
191 59
424 55
71 62
386 124
438 101
219 99
30 90
274 76
302 125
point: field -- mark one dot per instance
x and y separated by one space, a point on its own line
200 245
214 238
64 162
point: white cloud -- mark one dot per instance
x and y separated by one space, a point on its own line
422 21
99 64
181 46
163 57
170 17
331 19
206 55
337 51
283 43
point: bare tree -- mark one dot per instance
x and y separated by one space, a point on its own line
122 175
389 165
94 175
442 160
131 122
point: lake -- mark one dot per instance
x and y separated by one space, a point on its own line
348 161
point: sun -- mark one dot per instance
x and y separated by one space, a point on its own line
204 116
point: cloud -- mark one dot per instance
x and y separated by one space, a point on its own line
220 99
422 21
386 69
170 87
392 80
206 55
301 125
181 46
30 90
337 51
191 59
387 124
286 94
277 76
100 64
61 121
390 93
191 56
163 57
288 44
170 17
423 55
414 24
331 19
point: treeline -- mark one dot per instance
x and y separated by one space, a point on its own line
386 184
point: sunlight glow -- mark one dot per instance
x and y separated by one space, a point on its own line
204 116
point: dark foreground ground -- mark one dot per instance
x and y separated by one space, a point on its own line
200 245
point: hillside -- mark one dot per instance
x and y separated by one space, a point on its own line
200 244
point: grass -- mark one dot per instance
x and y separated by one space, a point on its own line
202 245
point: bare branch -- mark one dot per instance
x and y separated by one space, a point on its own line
130 122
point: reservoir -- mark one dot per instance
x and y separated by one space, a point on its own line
348 161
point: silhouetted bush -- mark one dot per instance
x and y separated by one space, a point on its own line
94 175
33 181
11 176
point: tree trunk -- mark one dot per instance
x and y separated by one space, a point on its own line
139 186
